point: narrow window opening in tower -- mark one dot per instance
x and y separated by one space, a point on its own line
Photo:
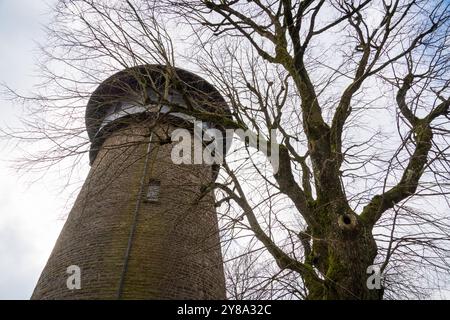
153 191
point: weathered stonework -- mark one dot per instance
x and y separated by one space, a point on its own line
175 252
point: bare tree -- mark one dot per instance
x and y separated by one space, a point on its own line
354 94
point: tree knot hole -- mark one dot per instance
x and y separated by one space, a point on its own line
347 221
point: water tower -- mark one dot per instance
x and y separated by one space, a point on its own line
142 227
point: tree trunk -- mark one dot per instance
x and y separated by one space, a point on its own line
342 251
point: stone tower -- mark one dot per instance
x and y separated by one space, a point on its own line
142 226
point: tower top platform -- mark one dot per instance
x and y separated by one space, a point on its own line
142 90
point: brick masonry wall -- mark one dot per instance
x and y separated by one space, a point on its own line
175 252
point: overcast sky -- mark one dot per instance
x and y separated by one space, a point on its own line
30 213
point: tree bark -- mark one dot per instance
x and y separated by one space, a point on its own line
342 250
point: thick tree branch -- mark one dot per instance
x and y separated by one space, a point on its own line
283 260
